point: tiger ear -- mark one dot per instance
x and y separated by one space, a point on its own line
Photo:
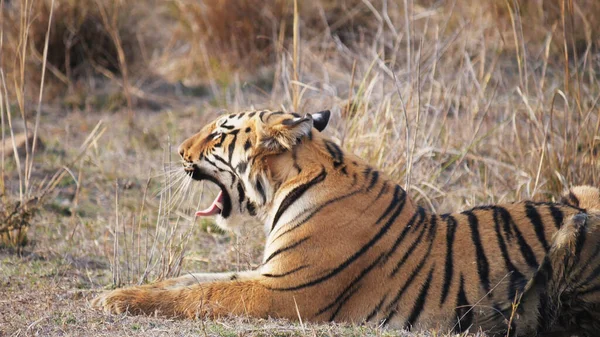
320 119
286 133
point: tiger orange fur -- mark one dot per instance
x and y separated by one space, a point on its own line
345 243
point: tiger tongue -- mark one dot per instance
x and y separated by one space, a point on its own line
215 208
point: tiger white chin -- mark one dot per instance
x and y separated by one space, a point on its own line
234 222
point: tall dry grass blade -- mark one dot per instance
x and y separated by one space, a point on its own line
116 264
2 98
520 61
41 94
296 59
406 128
113 30
567 68
26 13
407 33
12 136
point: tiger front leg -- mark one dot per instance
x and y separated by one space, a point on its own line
196 278
213 299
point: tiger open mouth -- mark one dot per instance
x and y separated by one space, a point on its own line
222 203
215 208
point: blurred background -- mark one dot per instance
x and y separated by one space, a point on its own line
463 102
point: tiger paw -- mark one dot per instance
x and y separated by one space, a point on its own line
121 301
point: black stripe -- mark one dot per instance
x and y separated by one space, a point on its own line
420 302
241 167
295 194
449 265
421 213
228 127
251 207
374 178
464 311
580 223
336 153
350 286
231 147
524 247
286 248
295 159
221 140
408 252
261 114
538 225
375 310
337 311
247 145
432 225
252 114
315 211
261 190
398 194
233 176
231 170
352 258
241 192
557 215
228 164
571 199
507 222
383 190
483 269
215 164
392 307
276 113
291 121
284 274
517 280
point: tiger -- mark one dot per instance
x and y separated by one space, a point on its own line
345 243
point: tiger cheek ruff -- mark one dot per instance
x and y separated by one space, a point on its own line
346 244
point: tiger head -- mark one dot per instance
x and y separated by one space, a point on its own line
236 153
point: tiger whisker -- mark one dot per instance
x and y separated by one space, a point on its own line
172 182
182 184
180 192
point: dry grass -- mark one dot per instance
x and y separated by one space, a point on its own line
463 103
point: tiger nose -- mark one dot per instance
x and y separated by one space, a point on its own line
184 152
